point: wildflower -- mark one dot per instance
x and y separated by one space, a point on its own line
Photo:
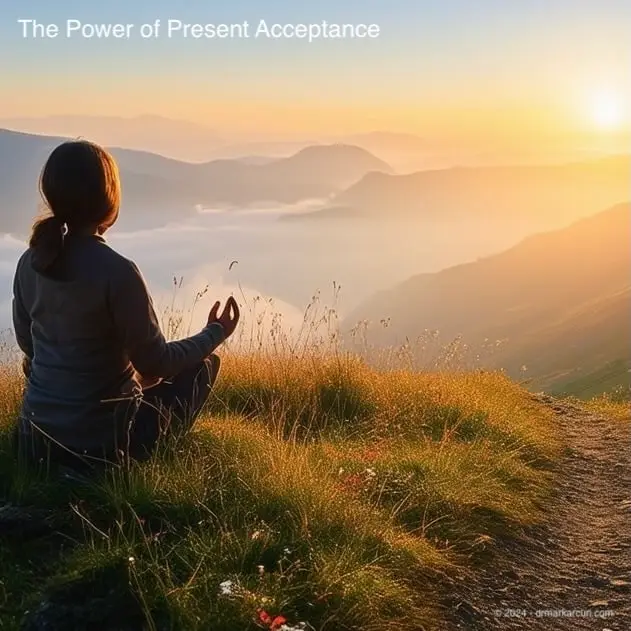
226 588
275 623
131 560
257 534
261 569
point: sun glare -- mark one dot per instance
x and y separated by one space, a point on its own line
607 110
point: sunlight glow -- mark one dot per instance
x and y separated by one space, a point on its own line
607 110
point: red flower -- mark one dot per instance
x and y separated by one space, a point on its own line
272 623
264 617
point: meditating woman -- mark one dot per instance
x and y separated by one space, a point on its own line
103 384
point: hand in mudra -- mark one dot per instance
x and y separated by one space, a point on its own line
229 317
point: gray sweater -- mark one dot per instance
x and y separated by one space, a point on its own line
86 333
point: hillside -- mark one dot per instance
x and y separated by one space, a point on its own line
559 303
314 489
318 494
546 194
158 189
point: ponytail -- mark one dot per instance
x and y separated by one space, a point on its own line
47 240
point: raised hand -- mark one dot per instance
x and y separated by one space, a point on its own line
229 317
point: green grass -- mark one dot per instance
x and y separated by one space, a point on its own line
324 491
605 381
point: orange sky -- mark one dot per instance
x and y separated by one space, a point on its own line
489 71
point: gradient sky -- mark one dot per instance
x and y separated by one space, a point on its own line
488 60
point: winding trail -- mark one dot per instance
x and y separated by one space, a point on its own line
574 574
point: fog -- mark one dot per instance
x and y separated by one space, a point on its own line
288 262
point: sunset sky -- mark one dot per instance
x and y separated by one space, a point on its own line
450 67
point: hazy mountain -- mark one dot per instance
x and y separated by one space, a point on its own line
257 160
559 302
158 189
150 198
554 194
312 173
179 139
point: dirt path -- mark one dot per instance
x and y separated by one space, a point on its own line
575 573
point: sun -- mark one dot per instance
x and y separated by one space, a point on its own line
607 110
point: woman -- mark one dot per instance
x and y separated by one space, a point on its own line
103 383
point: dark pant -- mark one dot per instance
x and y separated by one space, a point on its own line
168 409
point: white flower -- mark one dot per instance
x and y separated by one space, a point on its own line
226 588
257 534
261 569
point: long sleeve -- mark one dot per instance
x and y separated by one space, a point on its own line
139 330
21 319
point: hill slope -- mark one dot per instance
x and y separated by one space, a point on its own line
316 493
550 193
558 301
313 488
158 189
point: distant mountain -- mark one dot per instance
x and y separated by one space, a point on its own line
560 192
257 160
178 139
559 302
158 189
315 172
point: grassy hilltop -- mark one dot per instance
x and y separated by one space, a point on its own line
314 488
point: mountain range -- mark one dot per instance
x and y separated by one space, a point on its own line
405 152
553 309
157 189
194 142
558 192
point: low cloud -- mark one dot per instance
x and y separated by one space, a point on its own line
287 263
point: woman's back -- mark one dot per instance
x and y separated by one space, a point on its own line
78 357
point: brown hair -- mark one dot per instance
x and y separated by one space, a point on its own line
81 189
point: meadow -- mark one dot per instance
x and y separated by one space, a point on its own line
316 492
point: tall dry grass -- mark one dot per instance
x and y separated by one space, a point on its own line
333 490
